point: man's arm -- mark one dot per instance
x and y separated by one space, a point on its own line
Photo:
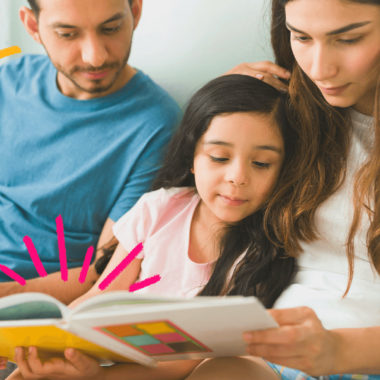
53 285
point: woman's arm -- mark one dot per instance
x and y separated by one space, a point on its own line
302 342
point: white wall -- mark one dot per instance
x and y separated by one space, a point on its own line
180 43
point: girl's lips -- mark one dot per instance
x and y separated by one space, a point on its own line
333 90
232 201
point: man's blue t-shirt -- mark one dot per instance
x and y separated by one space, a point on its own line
83 159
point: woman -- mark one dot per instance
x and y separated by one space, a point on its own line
330 51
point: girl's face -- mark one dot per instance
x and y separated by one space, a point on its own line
236 165
337 45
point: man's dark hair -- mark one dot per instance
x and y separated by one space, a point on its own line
36 8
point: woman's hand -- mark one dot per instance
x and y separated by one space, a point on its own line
75 366
267 71
300 342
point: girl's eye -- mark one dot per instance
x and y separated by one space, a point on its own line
261 165
218 159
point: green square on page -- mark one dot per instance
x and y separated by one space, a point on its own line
141 340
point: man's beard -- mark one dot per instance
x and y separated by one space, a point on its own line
97 89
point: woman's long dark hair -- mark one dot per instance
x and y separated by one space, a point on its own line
326 136
265 270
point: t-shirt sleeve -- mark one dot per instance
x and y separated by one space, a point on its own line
144 170
135 225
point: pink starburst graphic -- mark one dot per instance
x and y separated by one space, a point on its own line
86 263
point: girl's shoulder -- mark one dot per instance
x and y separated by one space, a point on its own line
169 197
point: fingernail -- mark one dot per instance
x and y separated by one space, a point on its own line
259 76
288 74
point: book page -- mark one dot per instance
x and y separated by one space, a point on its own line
31 306
179 330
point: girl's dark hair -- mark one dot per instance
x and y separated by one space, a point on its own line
325 136
265 270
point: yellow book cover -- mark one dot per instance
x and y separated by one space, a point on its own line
122 327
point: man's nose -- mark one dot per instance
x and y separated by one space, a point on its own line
94 53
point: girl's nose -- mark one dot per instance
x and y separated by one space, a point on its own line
237 174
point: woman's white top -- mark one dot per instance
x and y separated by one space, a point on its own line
323 267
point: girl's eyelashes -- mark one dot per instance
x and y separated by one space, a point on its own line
218 159
261 165
257 164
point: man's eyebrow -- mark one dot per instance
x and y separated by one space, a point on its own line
255 147
344 29
115 17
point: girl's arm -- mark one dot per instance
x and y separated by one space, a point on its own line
302 342
78 366
122 282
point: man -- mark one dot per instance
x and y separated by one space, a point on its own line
81 136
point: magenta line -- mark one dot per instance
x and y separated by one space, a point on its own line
121 266
61 247
13 275
86 264
34 256
144 283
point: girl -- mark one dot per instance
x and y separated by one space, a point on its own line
203 229
330 50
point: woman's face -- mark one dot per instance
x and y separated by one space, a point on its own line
337 45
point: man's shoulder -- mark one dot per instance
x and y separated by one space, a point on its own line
26 64
153 95
23 71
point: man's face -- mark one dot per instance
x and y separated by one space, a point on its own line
89 43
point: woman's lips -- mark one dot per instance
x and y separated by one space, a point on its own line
333 90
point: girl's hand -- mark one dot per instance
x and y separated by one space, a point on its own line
75 366
3 362
300 342
267 71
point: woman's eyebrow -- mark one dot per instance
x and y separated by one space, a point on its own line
344 29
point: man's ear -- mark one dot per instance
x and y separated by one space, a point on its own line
29 19
136 8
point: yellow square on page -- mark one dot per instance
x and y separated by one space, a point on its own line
155 328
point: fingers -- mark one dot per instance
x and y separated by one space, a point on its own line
81 362
3 362
270 68
22 363
296 325
266 71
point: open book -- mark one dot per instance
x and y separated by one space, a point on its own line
121 327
